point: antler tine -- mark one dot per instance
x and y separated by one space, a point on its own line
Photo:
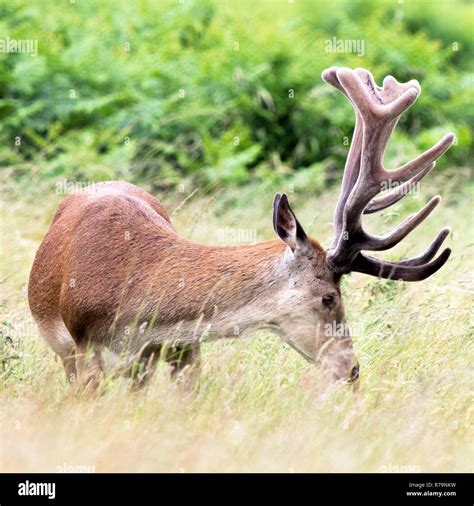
374 243
330 76
371 101
414 269
377 112
411 169
393 196
430 252
391 270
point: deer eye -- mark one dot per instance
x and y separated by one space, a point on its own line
328 300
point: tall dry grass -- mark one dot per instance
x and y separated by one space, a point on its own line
260 406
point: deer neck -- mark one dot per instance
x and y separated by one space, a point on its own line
221 292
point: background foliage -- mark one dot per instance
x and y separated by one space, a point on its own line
159 91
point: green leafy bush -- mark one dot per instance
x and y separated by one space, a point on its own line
219 91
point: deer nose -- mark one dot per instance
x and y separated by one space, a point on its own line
354 373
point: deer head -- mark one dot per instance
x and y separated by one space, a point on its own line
315 326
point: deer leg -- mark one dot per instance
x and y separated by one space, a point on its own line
144 366
89 365
55 333
185 361
69 363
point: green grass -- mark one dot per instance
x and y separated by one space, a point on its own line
260 406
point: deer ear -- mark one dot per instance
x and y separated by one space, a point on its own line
288 228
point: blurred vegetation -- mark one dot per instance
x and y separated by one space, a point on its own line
222 92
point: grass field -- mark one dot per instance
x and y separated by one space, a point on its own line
260 406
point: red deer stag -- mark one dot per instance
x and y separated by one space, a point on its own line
113 273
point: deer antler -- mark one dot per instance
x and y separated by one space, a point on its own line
377 113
